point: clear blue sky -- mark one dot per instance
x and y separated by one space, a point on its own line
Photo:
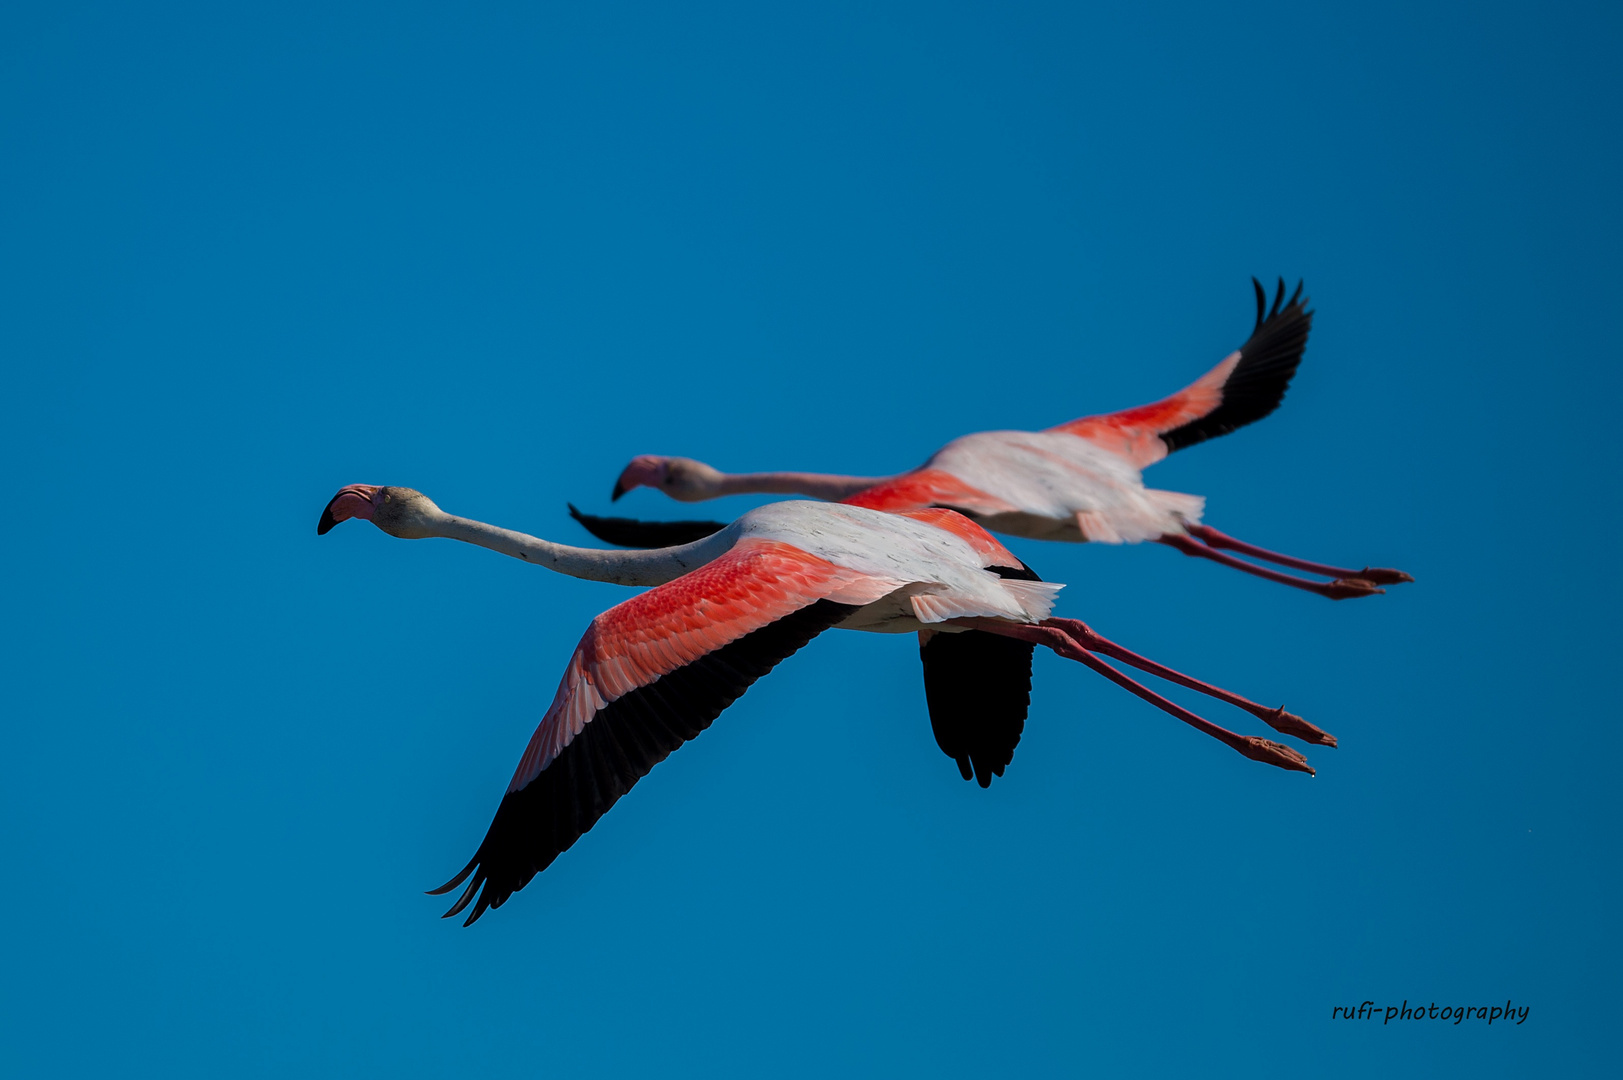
248 255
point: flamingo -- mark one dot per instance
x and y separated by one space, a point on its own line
652 672
1077 482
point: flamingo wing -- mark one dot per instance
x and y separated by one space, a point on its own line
922 489
1247 386
978 687
649 675
925 488
632 533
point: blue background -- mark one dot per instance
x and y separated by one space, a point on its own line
250 256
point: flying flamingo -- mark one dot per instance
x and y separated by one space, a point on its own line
652 672
1077 482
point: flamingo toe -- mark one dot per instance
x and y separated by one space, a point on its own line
1271 753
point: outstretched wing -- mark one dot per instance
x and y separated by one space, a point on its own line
978 687
631 533
649 675
1247 386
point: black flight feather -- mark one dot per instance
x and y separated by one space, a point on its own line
631 533
977 686
623 740
1257 384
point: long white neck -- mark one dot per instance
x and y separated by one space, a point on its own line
621 567
815 485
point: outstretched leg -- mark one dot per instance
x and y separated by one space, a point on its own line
1281 721
1055 638
1340 589
1375 574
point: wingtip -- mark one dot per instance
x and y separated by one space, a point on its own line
463 900
454 882
1267 312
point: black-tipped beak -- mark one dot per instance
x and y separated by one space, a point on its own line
352 501
324 526
619 490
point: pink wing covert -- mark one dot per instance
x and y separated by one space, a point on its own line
634 643
927 487
1247 386
1135 433
649 675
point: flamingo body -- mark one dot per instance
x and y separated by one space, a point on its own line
896 574
1081 481
652 672
1049 485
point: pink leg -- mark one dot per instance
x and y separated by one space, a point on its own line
1281 721
1340 589
1054 637
1374 574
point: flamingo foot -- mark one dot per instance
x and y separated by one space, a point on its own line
1271 753
1349 588
1290 724
1383 576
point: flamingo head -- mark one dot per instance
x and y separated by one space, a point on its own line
398 511
681 478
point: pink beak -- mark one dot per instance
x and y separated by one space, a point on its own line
644 471
354 501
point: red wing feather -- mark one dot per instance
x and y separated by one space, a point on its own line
1247 386
649 675
927 487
